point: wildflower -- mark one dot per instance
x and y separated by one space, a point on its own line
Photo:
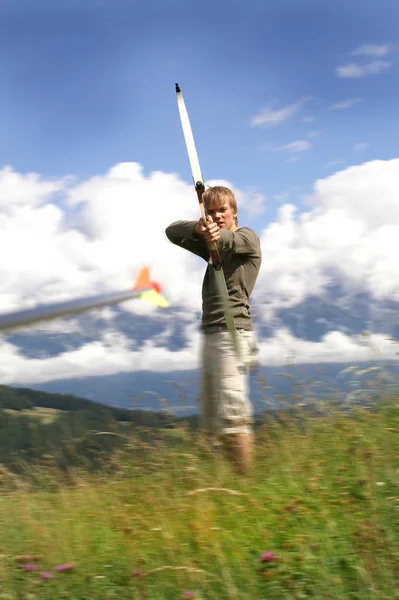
67 567
30 567
46 575
137 573
188 595
267 557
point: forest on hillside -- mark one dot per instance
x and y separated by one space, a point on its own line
69 431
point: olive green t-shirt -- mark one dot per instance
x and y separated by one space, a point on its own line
241 258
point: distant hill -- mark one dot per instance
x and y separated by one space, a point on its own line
21 398
25 399
37 427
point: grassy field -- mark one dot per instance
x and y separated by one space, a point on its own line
45 415
317 518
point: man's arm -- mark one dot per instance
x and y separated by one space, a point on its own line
185 234
241 241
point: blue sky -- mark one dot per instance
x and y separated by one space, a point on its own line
88 84
281 94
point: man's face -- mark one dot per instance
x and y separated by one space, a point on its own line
222 215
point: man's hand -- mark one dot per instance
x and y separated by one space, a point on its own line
210 232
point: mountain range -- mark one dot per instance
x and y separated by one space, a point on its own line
339 310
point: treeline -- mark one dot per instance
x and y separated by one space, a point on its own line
80 433
20 398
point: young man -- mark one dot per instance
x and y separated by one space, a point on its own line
225 407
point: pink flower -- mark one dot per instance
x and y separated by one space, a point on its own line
66 567
46 575
30 567
267 557
188 595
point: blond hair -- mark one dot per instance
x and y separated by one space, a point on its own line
218 194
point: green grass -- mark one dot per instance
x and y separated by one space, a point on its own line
44 415
172 517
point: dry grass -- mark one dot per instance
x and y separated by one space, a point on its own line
171 518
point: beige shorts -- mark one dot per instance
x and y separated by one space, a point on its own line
224 402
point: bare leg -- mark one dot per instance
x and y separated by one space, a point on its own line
239 450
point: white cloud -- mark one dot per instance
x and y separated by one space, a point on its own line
351 229
296 146
28 190
294 149
357 71
283 348
119 225
345 104
361 146
112 353
270 116
376 50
